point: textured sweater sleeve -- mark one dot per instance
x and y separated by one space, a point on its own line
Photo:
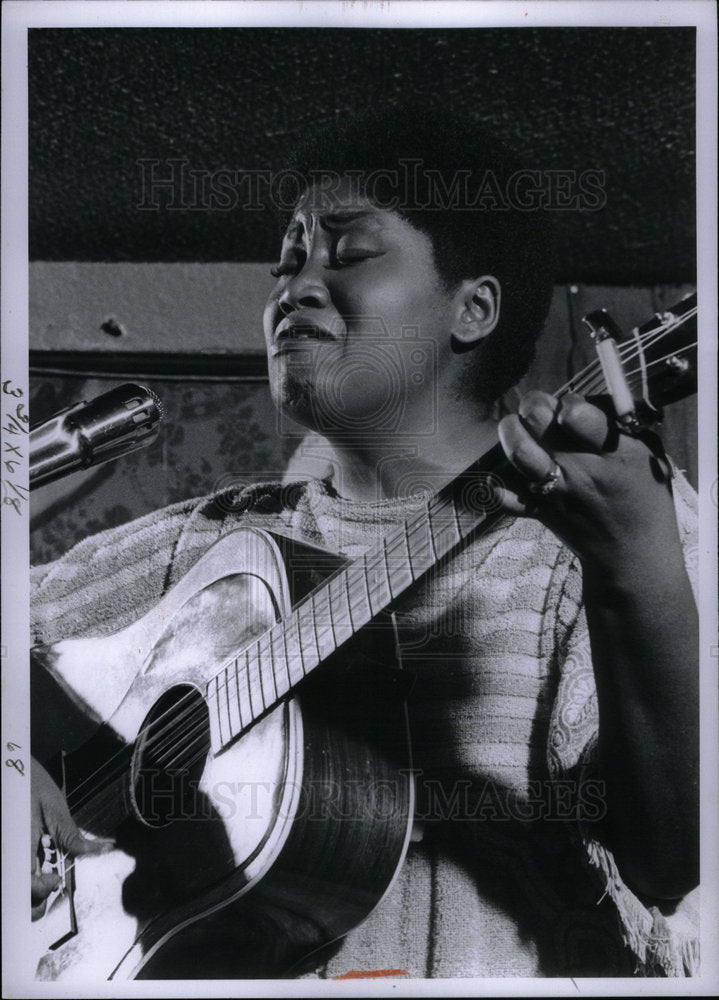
110 579
664 944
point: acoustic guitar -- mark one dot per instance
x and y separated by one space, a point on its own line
245 743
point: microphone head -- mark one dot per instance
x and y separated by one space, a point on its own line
120 421
114 424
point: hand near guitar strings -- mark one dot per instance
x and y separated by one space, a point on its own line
51 817
607 495
603 492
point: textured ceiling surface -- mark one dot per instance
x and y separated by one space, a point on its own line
104 100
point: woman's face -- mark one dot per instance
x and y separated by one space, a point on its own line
357 325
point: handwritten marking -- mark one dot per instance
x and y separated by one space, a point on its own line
371 973
17 764
15 423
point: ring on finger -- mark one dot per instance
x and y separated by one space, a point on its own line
545 486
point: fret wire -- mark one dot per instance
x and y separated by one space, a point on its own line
390 544
409 554
419 523
296 617
376 566
243 688
386 567
237 687
431 531
314 627
337 596
354 584
357 594
329 625
290 659
438 506
287 660
267 676
271 635
259 673
366 584
219 713
448 502
330 585
331 616
255 675
227 700
349 602
248 687
456 519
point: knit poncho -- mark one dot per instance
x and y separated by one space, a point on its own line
502 878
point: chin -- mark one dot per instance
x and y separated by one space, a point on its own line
293 397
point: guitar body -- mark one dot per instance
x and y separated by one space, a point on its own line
258 817
233 861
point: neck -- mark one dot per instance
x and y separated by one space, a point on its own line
403 464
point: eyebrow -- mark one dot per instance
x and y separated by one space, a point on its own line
333 220
342 218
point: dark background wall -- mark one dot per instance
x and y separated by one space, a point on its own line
190 280
618 100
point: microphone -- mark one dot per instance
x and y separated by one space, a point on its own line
116 423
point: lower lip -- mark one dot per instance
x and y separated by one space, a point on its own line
296 345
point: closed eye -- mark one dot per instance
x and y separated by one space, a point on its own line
354 256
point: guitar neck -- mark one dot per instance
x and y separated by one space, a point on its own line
263 673
661 357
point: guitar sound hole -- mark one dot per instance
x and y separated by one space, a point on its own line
169 758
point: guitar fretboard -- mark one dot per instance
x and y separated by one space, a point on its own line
262 674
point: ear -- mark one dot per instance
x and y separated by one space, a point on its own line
476 310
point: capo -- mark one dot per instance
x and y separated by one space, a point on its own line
634 417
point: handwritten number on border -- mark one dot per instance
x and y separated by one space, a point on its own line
15 423
17 764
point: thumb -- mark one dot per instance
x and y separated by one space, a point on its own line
68 838
42 886
51 814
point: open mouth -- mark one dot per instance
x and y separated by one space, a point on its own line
303 331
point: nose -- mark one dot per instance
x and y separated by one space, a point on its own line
304 290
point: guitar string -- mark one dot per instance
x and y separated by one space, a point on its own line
596 383
257 661
196 717
628 352
176 742
179 747
632 348
591 374
171 730
202 743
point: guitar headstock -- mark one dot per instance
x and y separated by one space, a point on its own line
669 346
655 365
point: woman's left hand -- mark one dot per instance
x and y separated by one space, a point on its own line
602 491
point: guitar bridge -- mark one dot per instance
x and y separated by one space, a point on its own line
59 923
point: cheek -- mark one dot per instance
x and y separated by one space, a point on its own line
268 320
400 297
